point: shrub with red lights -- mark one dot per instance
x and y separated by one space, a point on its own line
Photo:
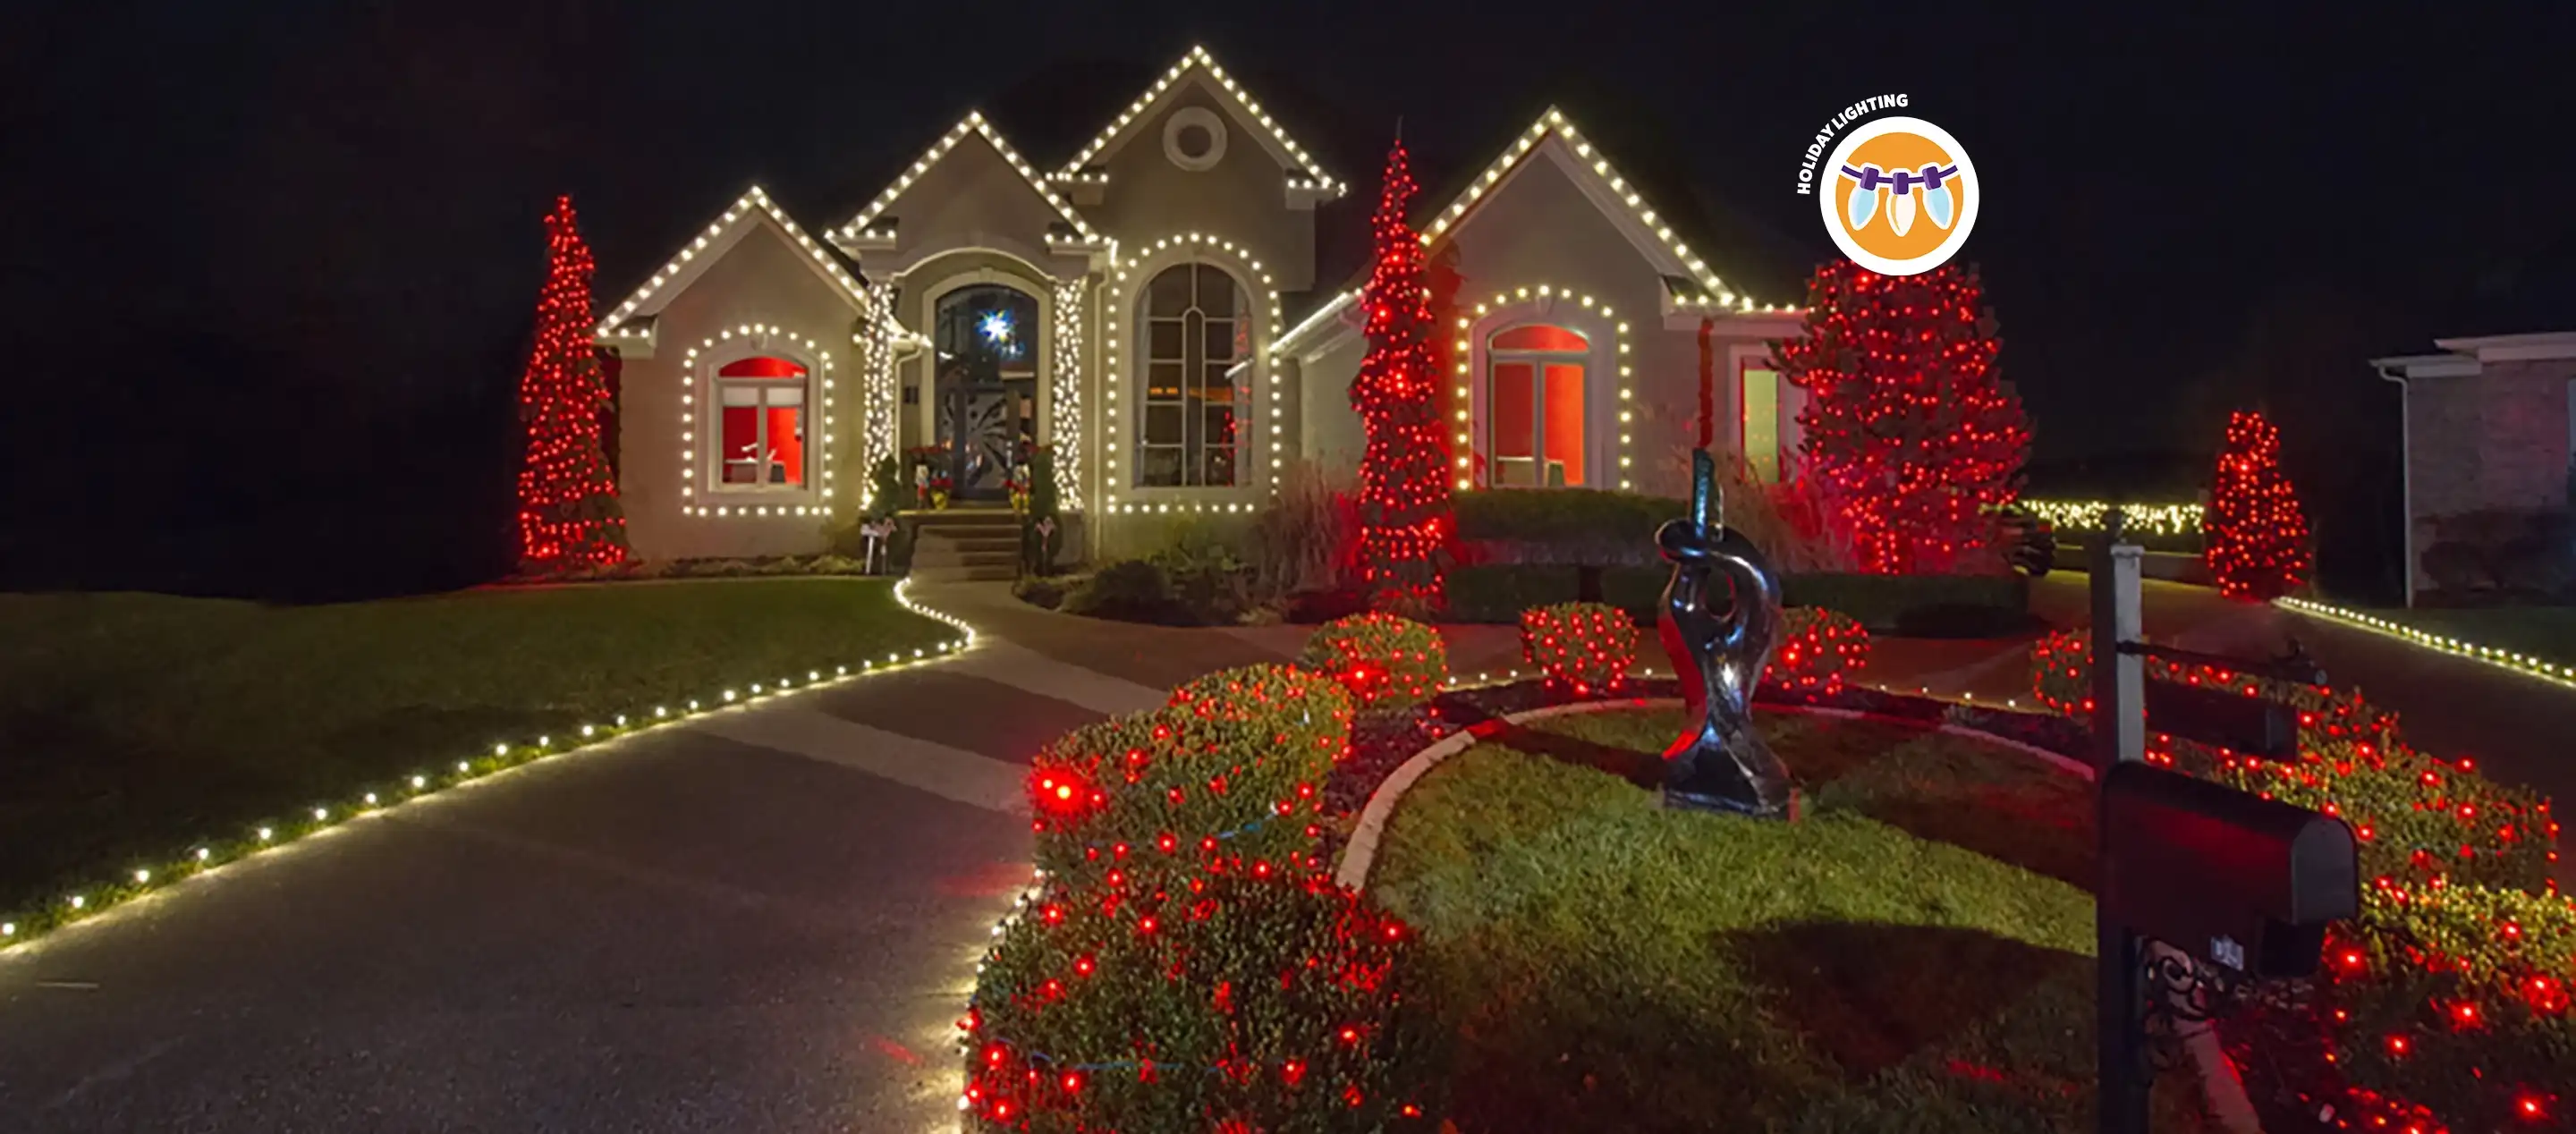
2258 537
1385 661
1232 768
1241 997
2445 1004
1910 435
1819 652
1583 646
1404 510
569 516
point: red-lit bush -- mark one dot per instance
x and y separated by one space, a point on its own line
1385 661
1583 646
1242 997
1819 652
2444 1006
1233 768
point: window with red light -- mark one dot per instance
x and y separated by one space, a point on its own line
1534 377
761 421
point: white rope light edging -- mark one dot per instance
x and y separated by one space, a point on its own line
1198 57
87 905
613 331
972 125
2563 676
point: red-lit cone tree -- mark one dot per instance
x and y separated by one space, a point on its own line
1404 473
1911 437
2258 537
569 517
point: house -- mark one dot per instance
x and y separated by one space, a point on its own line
2489 433
1161 307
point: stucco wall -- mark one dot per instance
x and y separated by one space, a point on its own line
970 199
1330 435
1243 198
762 279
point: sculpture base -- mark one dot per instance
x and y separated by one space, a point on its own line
1734 773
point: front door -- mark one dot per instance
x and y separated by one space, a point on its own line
986 428
986 338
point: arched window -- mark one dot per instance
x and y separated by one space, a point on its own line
762 405
1534 400
1197 355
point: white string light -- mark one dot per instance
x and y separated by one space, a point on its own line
1164 253
1067 398
205 859
1539 302
755 203
1554 123
2524 664
2086 515
1329 310
1274 138
758 337
973 125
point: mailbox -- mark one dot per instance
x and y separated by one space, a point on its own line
2234 879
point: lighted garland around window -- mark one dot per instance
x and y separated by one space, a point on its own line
1193 247
1537 302
1066 409
17 927
821 383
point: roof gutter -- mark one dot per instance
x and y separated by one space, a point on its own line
2406 470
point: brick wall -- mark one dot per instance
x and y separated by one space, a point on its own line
2496 440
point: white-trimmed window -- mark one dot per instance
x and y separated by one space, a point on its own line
1534 398
760 424
1196 355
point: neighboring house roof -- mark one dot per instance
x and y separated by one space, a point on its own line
974 126
631 320
1201 68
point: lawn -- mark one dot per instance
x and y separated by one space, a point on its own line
2547 633
1915 954
133 726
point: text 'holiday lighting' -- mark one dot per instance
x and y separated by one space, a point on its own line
134 882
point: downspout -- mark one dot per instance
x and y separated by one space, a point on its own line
2406 471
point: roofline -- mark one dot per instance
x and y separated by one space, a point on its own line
974 123
1273 137
2428 365
2514 348
1316 325
719 238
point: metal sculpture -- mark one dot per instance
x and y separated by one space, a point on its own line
1720 763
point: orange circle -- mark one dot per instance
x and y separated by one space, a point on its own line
1893 151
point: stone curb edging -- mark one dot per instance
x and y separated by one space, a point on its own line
2220 1084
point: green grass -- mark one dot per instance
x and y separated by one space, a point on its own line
2547 633
134 725
1914 955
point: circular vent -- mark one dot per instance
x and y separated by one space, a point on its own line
1194 138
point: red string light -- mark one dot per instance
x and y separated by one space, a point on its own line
1404 511
569 516
1911 437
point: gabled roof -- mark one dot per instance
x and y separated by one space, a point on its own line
631 318
973 125
1692 281
1198 66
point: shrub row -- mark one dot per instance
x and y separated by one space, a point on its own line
1186 965
2446 1003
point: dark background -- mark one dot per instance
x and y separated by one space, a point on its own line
268 268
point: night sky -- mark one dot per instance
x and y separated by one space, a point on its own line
269 266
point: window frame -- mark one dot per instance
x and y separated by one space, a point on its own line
1494 358
1241 368
714 384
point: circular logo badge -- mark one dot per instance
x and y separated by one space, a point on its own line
1900 196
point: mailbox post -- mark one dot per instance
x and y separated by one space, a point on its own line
2239 886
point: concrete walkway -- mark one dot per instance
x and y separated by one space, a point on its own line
764 919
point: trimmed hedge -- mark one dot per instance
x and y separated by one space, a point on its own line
1233 768
1568 520
1929 606
1384 660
